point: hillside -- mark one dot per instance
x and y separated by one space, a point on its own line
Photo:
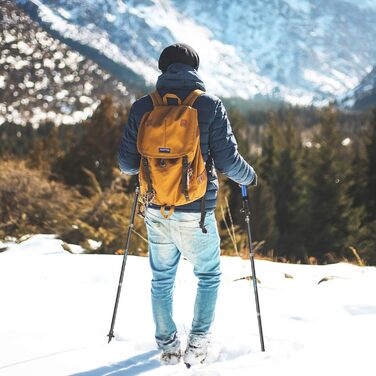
43 79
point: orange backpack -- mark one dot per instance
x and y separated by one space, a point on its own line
172 170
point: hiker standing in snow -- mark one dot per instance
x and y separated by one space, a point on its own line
175 139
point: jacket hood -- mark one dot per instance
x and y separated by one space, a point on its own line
180 76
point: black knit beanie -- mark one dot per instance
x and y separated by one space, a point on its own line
178 53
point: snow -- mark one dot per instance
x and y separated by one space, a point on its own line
299 5
64 13
57 307
363 4
24 48
327 83
2 82
92 35
94 244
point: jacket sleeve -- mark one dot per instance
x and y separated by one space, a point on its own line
224 149
129 157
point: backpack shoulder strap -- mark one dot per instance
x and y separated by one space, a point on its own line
156 98
192 97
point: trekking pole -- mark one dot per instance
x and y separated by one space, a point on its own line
247 215
110 334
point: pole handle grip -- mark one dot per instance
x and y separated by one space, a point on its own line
244 191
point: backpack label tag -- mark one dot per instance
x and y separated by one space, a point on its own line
164 150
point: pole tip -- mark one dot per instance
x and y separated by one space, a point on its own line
110 336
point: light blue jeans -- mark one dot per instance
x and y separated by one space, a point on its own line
170 238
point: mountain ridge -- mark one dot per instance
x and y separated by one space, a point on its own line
363 96
301 51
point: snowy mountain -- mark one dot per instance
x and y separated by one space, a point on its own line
56 310
43 79
363 96
301 51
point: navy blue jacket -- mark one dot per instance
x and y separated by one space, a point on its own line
216 135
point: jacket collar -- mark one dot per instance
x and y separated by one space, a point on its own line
180 76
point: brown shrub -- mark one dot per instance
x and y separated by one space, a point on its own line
106 220
30 203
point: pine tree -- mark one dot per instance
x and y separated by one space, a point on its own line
371 171
363 191
238 125
269 145
261 197
96 151
357 177
288 192
46 148
262 204
327 207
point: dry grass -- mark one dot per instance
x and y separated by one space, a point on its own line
231 231
31 203
358 258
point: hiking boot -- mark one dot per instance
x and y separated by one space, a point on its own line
171 354
171 358
197 349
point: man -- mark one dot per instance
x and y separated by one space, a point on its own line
180 234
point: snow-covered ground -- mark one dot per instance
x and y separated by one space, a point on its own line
56 310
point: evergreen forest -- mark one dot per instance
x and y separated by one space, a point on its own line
315 201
